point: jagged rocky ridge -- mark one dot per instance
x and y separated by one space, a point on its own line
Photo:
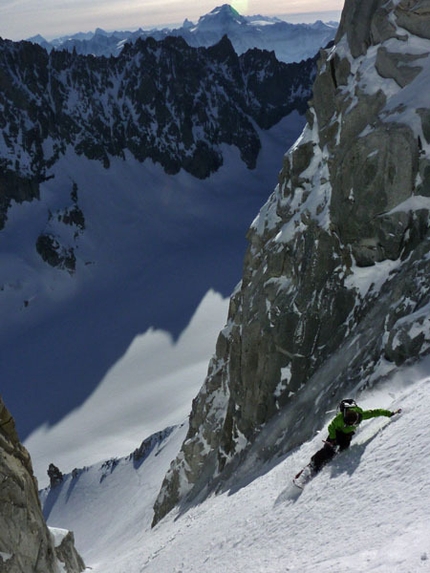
335 290
290 42
26 543
163 101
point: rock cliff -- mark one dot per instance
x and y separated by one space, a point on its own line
335 290
26 543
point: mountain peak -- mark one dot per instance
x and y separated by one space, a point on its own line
100 32
223 16
187 24
38 39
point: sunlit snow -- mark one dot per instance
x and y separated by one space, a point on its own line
366 512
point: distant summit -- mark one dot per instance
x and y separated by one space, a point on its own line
224 16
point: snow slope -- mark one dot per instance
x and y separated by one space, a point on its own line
151 387
153 247
366 512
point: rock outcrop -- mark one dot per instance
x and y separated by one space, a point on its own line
26 543
335 290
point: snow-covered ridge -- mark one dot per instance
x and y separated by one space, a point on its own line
150 101
151 386
108 503
290 42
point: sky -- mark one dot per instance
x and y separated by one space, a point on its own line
21 19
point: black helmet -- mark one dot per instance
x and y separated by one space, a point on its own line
345 404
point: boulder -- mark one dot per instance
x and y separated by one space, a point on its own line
414 16
402 68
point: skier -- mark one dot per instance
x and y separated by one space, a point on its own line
340 432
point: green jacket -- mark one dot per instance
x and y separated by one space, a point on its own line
337 424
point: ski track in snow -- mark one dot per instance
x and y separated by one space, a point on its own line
365 512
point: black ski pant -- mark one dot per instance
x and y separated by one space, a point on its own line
326 453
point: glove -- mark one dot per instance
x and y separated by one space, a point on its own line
331 442
396 412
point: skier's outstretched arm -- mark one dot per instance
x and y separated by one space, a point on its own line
379 412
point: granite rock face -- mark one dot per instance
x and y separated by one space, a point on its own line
26 544
335 289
